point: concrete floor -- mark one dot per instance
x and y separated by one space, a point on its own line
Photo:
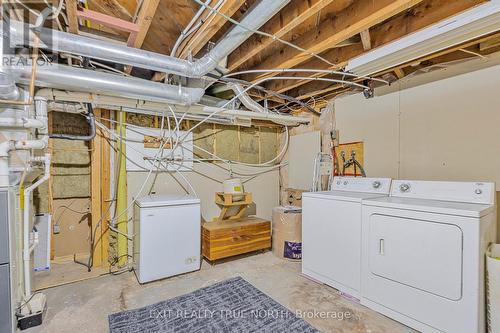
84 306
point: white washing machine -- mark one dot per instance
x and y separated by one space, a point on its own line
331 231
423 254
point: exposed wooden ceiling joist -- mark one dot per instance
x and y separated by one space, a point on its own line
361 15
366 39
423 15
400 73
489 44
71 11
144 19
449 55
295 13
208 29
120 9
143 22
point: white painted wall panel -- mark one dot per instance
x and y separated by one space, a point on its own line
302 151
443 130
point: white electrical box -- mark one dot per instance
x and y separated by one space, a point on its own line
167 236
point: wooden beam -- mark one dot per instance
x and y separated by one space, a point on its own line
209 28
361 15
366 39
108 20
71 12
143 22
95 188
121 9
421 16
105 187
450 54
291 16
338 56
144 19
100 191
489 44
399 73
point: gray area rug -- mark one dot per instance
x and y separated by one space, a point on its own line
232 305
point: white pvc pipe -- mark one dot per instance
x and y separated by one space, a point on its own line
5 147
41 114
31 144
21 123
27 247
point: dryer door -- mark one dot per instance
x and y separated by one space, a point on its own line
421 254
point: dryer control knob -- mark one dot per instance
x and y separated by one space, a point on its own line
479 191
376 184
404 187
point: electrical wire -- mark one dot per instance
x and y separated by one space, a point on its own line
132 127
305 70
258 82
217 158
258 32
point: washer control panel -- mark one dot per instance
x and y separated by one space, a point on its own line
472 192
362 184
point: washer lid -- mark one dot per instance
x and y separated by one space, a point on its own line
342 195
158 200
432 206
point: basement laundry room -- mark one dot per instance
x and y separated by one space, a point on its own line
250 166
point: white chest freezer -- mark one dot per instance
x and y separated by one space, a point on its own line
167 236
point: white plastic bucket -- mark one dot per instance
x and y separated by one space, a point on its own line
234 186
493 288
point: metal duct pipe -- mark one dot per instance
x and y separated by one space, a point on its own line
75 79
253 20
94 48
8 89
247 101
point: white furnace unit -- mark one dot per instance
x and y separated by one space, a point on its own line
167 236
331 231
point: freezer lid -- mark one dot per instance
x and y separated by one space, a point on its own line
342 195
160 200
432 206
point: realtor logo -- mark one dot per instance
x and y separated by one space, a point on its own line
27 24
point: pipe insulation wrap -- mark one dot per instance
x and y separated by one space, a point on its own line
98 49
76 79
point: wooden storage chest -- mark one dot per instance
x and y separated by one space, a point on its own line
224 239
